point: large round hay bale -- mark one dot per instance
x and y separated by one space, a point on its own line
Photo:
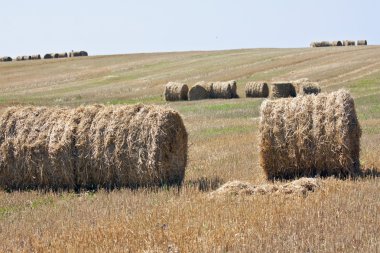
35 57
91 146
176 91
256 90
282 90
48 56
309 136
198 92
337 43
223 89
361 43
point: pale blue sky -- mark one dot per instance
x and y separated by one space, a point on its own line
126 26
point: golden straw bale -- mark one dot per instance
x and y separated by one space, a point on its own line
91 146
256 89
176 91
223 89
309 136
282 90
198 92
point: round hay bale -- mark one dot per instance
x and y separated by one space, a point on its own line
91 146
60 55
222 89
176 91
310 136
337 43
305 87
48 56
282 90
256 90
361 43
348 43
35 57
5 58
198 92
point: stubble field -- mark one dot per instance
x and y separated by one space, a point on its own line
343 216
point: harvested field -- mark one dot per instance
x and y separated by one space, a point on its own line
310 136
91 147
340 216
176 91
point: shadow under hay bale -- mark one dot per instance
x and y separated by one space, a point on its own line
282 90
91 147
301 186
176 91
361 43
256 90
310 136
198 92
206 184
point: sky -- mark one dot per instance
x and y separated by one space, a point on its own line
133 26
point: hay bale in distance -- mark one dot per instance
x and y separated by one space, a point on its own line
175 91
5 58
337 43
361 43
48 56
256 90
35 57
321 44
198 92
309 136
348 43
91 146
25 58
60 55
78 53
282 90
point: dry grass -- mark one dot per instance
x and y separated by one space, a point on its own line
340 217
